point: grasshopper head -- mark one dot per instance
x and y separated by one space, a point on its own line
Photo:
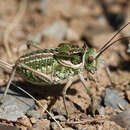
90 62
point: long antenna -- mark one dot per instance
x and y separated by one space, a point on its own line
98 54
100 51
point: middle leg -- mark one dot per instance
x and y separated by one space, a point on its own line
70 81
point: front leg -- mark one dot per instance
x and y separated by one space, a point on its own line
93 99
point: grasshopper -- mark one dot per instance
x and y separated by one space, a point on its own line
50 66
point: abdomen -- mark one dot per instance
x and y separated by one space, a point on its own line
44 63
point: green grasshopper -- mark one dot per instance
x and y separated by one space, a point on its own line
50 66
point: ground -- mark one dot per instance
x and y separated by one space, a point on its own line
78 21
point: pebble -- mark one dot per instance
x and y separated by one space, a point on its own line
25 121
101 111
33 120
113 99
54 126
43 5
56 111
84 129
128 50
128 95
60 118
57 29
34 114
7 127
68 128
122 119
41 125
15 105
44 115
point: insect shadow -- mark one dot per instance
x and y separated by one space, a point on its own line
55 91
124 64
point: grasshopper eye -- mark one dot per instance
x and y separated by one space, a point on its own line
90 59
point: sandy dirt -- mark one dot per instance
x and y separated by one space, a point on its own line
84 21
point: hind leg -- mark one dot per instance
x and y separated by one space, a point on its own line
8 84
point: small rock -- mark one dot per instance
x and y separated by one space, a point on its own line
7 127
15 105
41 125
60 118
34 114
113 99
57 29
44 115
128 50
122 119
56 111
33 120
128 94
110 125
101 111
54 126
68 128
46 122
25 121
83 116
44 5
109 110
84 129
